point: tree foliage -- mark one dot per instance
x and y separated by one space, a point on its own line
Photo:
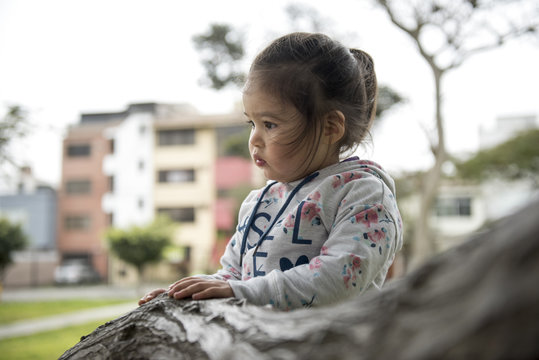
236 145
12 238
513 159
141 245
221 50
387 99
12 126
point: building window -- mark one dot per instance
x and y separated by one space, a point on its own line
457 206
77 222
111 183
78 187
176 137
78 150
178 214
176 176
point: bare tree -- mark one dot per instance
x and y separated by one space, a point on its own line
446 34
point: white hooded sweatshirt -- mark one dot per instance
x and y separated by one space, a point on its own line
317 240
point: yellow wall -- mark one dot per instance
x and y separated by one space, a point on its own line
199 235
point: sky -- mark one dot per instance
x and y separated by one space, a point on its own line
61 58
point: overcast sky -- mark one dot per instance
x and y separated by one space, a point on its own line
59 58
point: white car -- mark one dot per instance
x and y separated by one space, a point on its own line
75 272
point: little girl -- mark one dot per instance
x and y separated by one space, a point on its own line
324 228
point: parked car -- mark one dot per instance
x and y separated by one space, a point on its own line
76 272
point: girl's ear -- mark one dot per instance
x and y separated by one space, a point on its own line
333 127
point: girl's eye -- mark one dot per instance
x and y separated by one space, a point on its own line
269 125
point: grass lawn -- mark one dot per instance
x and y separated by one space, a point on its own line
14 311
46 345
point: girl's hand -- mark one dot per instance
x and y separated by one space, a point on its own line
150 296
199 288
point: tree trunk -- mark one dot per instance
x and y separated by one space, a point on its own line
479 300
423 245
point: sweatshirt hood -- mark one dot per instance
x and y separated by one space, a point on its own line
355 164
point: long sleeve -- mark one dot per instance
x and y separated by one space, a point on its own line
230 266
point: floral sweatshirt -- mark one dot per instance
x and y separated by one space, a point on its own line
317 240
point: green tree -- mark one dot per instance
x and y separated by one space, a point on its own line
514 159
12 238
462 28
387 100
236 145
141 245
12 126
221 50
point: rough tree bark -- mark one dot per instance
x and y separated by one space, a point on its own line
479 300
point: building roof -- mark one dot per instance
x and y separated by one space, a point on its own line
165 115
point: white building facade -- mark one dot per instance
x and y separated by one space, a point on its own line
463 208
129 168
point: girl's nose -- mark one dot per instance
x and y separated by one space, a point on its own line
255 139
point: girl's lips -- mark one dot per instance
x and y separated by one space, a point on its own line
259 161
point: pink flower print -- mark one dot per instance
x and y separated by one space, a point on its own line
290 221
368 216
346 279
315 196
356 262
234 272
315 264
376 235
309 211
344 178
349 176
337 181
347 276
246 272
324 250
279 190
350 271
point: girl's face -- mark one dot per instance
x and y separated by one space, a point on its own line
275 127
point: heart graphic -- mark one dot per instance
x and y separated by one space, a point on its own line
286 264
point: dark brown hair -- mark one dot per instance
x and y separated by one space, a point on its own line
317 75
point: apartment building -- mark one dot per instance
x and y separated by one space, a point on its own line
185 161
122 169
81 219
